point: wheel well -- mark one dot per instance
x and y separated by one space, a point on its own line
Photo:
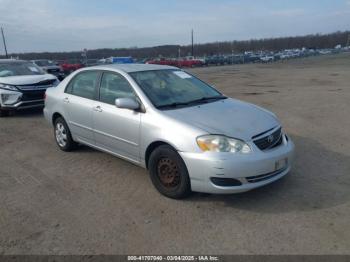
55 116
152 147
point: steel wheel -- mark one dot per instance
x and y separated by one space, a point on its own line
168 173
61 134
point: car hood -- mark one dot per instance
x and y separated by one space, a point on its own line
228 117
26 80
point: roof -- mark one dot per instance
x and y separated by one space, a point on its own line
129 68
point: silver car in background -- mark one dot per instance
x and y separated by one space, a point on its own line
187 134
50 67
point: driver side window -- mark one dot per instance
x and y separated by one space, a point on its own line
114 86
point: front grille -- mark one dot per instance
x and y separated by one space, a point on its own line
33 95
270 141
255 179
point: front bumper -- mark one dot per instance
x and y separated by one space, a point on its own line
22 99
252 170
21 105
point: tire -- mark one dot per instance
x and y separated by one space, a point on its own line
63 136
169 173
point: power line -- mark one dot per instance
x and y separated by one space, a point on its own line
3 39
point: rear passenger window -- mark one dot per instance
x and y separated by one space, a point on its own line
84 85
114 86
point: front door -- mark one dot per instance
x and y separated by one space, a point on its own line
116 130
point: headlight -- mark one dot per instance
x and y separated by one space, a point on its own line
8 87
217 143
9 97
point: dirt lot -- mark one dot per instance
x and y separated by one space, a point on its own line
89 202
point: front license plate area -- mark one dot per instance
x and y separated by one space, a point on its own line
281 164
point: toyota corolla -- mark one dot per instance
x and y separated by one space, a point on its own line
187 134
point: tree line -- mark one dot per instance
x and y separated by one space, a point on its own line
313 41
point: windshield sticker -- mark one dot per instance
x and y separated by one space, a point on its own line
182 74
33 69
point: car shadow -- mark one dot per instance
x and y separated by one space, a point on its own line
320 179
86 149
33 112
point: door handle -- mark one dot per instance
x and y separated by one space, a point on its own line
66 100
97 109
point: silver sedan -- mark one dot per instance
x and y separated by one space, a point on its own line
186 133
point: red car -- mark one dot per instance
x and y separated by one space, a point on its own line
70 66
182 62
163 61
189 61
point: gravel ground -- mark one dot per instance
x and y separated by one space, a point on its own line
88 202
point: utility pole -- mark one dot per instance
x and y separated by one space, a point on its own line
232 52
84 54
3 39
192 43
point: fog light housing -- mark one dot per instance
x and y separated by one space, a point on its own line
225 182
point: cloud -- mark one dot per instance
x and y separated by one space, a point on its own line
288 12
41 25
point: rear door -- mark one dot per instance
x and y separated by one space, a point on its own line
116 130
80 98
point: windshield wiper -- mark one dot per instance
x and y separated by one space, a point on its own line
196 101
176 104
206 99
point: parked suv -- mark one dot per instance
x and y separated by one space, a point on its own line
50 67
187 134
22 85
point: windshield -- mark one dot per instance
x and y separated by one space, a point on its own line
44 63
171 88
19 69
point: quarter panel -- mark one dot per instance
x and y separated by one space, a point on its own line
155 127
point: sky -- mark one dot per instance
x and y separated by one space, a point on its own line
72 25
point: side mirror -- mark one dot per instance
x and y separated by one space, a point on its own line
127 103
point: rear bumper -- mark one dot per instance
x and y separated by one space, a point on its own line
47 115
249 170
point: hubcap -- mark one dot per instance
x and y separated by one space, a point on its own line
61 135
168 173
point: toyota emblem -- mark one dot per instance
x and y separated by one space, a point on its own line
270 139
